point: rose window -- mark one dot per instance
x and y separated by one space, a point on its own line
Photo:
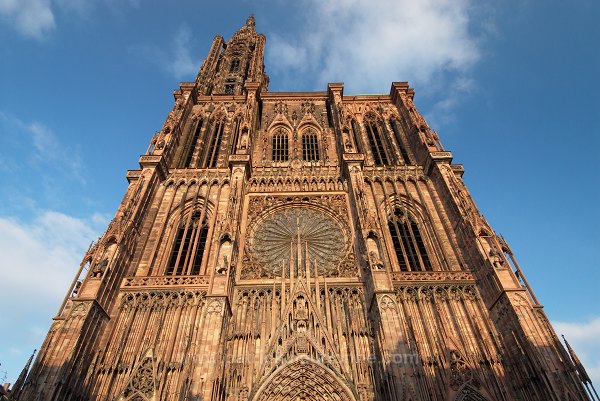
292 234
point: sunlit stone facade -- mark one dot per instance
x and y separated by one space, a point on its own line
278 246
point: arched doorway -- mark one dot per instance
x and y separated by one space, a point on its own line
303 380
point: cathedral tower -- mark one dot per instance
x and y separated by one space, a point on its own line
279 246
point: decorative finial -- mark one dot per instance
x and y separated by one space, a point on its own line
251 21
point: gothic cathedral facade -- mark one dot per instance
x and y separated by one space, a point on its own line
287 246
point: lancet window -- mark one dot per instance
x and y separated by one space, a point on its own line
211 153
280 145
235 133
408 243
356 136
310 146
400 140
378 148
192 146
188 246
235 65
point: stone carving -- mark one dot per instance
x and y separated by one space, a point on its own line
468 393
299 179
215 307
433 276
292 233
162 298
99 268
260 204
495 258
460 373
308 108
165 281
463 200
142 383
375 261
280 108
304 379
436 291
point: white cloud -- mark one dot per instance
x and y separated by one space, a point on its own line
370 44
48 151
43 254
181 64
176 59
583 338
40 258
31 18
36 19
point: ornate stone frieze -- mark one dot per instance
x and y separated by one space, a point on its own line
438 292
259 204
162 298
205 175
402 173
164 281
434 276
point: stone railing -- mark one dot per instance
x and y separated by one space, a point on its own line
435 276
164 281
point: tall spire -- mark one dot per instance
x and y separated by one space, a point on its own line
17 387
585 378
230 65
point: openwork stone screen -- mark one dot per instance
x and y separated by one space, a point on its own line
288 234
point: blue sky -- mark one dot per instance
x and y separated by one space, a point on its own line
511 88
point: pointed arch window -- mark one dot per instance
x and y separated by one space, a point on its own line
192 146
280 145
356 136
235 133
310 146
188 247
408 243
235 65
378 149
211 153
400 140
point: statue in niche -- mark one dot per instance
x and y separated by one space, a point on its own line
222 268
99 268
375 261
301 311
244 140
347 142
496 259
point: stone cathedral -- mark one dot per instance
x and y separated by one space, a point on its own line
298 246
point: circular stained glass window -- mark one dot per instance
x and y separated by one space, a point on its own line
298 233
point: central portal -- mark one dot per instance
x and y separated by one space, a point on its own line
303 380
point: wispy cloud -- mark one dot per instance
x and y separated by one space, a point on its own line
37 19
583 337
368 45
36 165
176 58
182 64
44 252
31 18
371 44
43 145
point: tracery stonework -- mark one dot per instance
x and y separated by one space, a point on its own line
293 247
